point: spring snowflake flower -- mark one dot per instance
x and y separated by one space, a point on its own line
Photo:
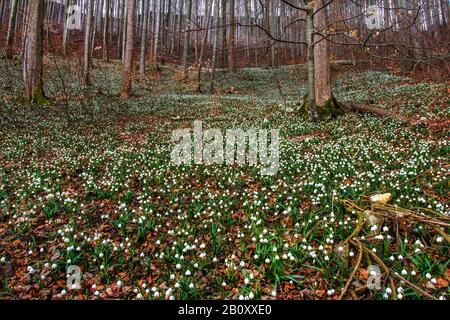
273 293
251 295
119 283
139 296
241 297
428 276
178 266
97 293
404 272
188 273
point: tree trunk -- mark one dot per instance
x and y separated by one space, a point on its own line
145 9
324 95
232 44
105 30
66 29
33 54
11 29
88 44
187 40
310 64
129 50
215 49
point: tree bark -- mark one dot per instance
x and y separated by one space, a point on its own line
145 8
105 30
187 40
33 54
321 58
232 44
11 29
88 44
129 50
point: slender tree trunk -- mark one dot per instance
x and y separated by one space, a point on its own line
215 49
232 44
145 9
129 51
105 30
88 44
11 29
310 64
66 29
33 53
156 33
187 40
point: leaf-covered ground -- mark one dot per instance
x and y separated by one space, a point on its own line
87 181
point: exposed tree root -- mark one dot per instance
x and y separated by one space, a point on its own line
432 219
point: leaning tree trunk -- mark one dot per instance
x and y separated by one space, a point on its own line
33 53
129 49
11 29
88 44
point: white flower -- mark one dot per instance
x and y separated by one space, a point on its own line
399 296
330 292
139 296
274 293
214 259
433 281
428 276
187 273
178 266
251 295
96 292
224 284
241 297
351 254
119 283
413 273
3 259
388 290
392 258
404 272
246 280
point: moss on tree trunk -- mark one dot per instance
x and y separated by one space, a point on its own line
330 108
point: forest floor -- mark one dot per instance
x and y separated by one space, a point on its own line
87 181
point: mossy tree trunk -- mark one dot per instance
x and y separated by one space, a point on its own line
33 54
319 101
